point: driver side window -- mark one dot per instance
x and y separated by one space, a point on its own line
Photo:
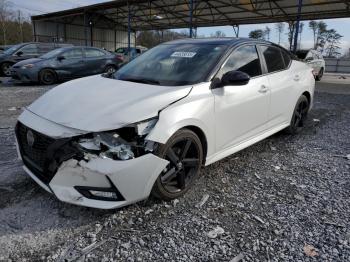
244 59
31 49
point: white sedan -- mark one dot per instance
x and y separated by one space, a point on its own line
110 140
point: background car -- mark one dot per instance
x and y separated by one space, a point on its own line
315 60
24 51
122 52
64 64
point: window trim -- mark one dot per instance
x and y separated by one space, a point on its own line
230 52
265 64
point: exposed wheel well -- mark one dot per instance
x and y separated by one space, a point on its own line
202 138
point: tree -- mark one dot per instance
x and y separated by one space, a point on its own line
301 29
291 29
332 38
279 29
313 27
218 34
267 32
256 34
5 14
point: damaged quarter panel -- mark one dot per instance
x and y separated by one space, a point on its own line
98 103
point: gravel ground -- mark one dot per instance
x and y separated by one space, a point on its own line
283 199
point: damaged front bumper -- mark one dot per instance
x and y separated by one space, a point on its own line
93 180
130 180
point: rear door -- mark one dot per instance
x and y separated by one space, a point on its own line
72 65
241 111
95 60
281 79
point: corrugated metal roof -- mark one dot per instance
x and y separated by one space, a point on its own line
166 14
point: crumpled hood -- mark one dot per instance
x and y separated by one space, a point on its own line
99 104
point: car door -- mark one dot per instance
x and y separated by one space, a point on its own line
70 63
26 52
241 111
95 60
281 79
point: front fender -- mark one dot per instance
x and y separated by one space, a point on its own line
197 109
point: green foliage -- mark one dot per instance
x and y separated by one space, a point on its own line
256 34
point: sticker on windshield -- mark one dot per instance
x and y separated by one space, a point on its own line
184 54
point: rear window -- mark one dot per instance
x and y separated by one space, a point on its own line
91 53
301 54
273 58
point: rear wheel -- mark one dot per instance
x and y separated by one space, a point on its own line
299 116
47 77
320 74
185 155
110 69
6 68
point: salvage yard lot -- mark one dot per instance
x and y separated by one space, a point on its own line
283 199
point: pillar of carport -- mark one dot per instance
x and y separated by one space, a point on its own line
300 4
191 18
129 30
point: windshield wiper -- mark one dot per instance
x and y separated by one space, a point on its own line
142 80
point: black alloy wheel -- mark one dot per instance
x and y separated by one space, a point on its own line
185 155
110 69
47 77
299 115
6 68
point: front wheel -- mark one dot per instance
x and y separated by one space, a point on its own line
185 155
6 68
47 77
299 116
110 69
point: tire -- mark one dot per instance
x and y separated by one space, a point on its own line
299 116
184 152
319 76
6 68
47 77
110 69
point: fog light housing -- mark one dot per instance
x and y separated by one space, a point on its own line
101 193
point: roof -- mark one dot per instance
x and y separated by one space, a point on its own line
167 14
217 41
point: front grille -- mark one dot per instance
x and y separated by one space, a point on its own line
35 156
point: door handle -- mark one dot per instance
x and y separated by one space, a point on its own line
263 89
296 77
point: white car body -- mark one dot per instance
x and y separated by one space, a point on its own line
230 119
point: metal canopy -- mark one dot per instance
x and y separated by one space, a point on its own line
168 14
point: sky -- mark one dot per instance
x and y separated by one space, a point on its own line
31 7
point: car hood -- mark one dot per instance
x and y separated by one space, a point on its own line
29 61
99 104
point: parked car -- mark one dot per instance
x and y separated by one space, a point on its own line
315 60
4 47
123 52
107 141
22 52
64 64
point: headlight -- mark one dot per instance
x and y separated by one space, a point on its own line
109 145
112 145
27 66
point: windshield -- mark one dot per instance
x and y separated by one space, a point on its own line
13 49
52 54
173 64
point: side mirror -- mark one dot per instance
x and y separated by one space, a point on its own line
235 78
19 53
60 58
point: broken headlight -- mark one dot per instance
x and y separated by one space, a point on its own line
108 145
112 145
